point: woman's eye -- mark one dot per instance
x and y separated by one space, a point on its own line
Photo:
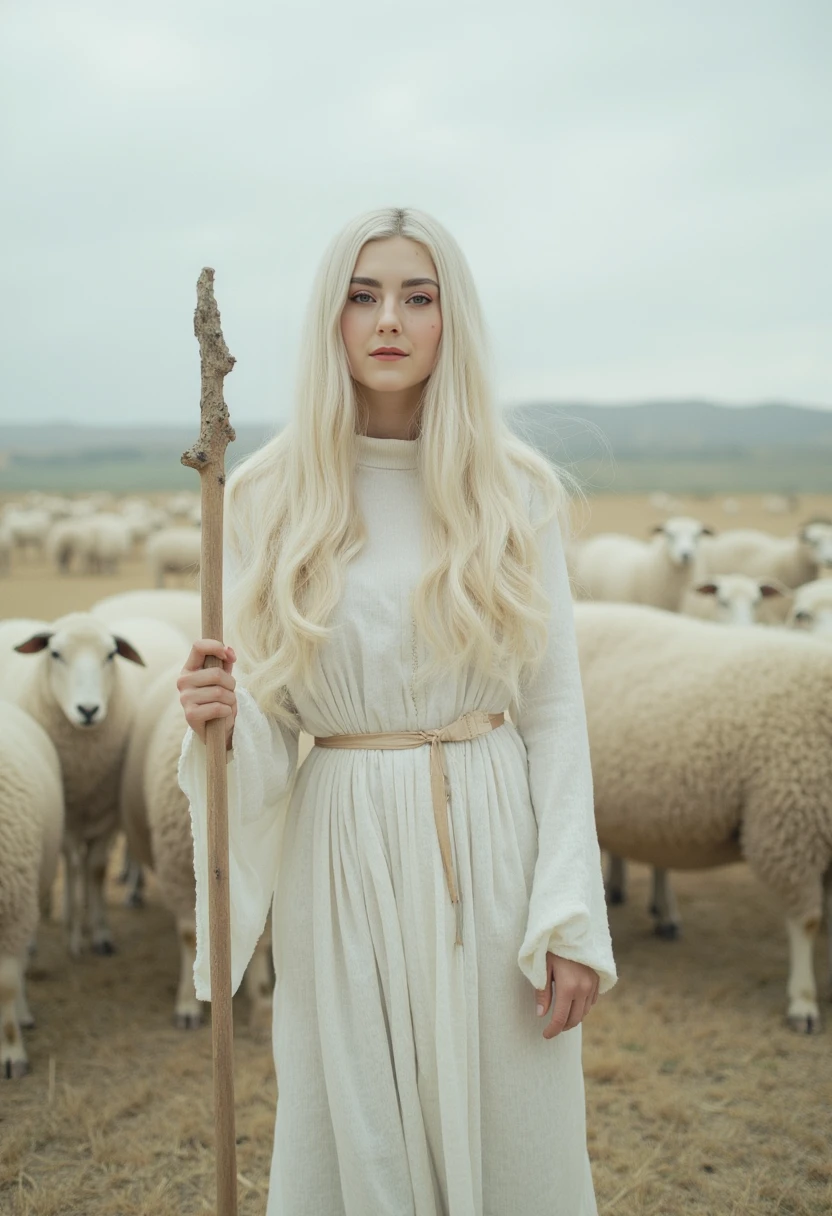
420 295
358 294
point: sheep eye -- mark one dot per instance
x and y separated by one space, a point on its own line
111 656
803 616
56 654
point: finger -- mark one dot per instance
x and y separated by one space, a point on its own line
544 995
576 1014
200 651
207 696
560 1013
205 676
205 713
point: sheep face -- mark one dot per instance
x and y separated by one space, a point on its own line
812 609
681 536
80 657
817 537
738 598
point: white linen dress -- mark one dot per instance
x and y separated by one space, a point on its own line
413 1076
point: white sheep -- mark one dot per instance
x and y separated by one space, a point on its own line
69 545
28 527
811 609
733 599
6 547
728 599
66 675
792 560
31 826
173 551
182 609
112 540
612 566
711 746
156 821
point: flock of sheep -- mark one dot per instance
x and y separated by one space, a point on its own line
709 744
711 739
96 533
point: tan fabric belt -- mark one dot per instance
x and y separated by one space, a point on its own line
469 726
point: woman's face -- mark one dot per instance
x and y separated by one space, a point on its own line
393 301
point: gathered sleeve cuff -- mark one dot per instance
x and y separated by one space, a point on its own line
567 909
260 771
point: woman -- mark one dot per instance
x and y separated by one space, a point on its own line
394 564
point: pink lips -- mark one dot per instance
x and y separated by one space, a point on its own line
388 356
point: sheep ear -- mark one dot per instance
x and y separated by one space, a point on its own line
706 589
127 651
34 644
767 590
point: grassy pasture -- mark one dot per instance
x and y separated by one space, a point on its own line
700 1101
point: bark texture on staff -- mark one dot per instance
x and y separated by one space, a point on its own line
207 456
215 432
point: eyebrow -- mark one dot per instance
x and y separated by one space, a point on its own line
405 282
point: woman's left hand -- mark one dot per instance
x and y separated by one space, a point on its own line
576 991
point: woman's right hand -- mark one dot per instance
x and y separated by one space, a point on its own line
208 692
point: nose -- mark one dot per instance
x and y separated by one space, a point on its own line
88 712
389 318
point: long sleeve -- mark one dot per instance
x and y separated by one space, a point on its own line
260 774
567 909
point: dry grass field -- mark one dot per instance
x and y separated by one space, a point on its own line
700 1101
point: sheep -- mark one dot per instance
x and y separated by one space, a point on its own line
112 541
31 826
85 701
733 599
6 546
156 821
792 560
182 609
173 551
811 609
611 566
711 746
729 599
69 544
28 528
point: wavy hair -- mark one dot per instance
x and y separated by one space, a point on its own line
293 522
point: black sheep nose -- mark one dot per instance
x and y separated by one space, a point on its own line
88 712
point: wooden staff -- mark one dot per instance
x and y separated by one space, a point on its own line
207 456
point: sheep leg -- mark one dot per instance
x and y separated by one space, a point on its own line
804 1014
188 1014
13 1060
24 1013
616 880
827 892
74 902
663 907
96 870
131 875
259 985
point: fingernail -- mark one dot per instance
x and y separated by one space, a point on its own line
539 1010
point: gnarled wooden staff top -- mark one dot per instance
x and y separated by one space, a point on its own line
215 432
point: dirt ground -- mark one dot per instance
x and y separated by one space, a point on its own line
699 1099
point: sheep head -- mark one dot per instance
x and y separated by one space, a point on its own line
80 671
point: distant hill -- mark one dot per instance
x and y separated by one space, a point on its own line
692 446
680 429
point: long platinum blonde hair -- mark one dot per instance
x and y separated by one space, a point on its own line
293 523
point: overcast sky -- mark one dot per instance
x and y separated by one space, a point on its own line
643 190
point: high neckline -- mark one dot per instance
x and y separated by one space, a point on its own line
387 453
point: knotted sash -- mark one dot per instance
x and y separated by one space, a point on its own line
469 726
